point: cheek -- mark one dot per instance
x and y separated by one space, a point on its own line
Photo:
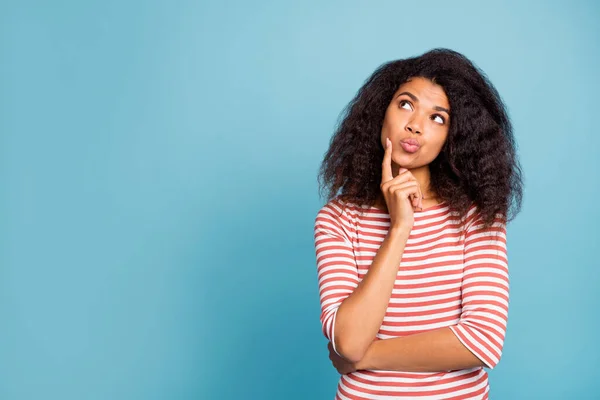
437 143
440 143
385 129
391 123
385 134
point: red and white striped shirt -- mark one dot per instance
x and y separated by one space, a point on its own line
453 273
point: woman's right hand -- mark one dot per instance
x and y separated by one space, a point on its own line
401 193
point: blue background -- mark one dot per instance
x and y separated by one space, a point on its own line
158 189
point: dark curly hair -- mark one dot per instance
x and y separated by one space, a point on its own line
478 162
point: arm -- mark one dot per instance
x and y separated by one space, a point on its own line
432 351
352 312
478 338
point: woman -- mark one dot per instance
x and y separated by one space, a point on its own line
422 178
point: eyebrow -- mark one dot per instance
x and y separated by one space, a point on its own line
415 99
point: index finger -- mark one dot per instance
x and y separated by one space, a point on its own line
386 167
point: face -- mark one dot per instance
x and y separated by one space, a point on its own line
416 121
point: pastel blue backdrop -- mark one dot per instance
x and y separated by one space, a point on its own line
158 189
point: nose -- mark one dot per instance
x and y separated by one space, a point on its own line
412 130
413 126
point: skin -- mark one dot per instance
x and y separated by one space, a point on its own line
414 112
432 351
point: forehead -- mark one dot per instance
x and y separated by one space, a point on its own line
425 90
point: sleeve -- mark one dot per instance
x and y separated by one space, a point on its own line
485 291
336 267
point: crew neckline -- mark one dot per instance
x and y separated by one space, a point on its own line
434 207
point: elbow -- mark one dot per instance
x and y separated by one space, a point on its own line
350 350
485 347
494 357
349 343
491 363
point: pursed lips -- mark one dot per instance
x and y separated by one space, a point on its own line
412 142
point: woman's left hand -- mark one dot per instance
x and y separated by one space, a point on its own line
342 365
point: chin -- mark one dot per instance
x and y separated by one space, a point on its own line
404 162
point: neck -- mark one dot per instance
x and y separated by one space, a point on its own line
423 176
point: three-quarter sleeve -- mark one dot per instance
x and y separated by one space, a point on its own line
485 291
336 267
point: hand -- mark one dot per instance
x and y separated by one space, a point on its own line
401 193
342 365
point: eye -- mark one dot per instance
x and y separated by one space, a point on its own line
405 102
441 119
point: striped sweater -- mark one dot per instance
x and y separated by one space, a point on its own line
453 273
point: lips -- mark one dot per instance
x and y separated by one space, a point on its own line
410 145
414 142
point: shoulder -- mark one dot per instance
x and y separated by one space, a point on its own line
474 224
340 215
338 208
332 210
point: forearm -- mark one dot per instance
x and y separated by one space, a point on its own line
432 351
360 315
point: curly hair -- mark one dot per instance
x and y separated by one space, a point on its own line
478 162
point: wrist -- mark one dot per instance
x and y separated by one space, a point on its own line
399 232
